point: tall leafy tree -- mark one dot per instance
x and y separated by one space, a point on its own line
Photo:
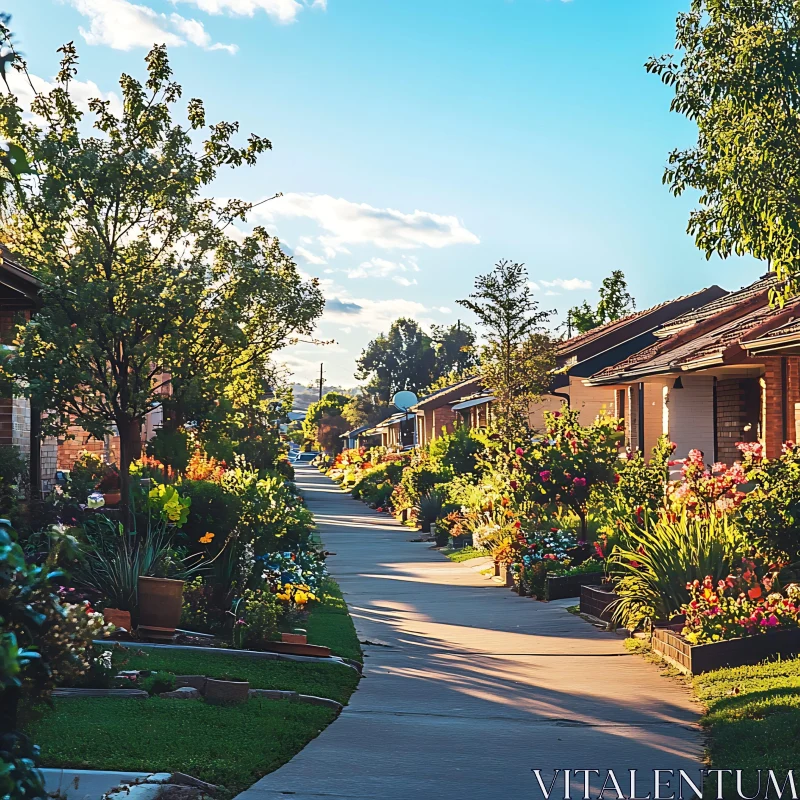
365 409
518 355
402 359
614 303
737 78
145 293
455 348
330 405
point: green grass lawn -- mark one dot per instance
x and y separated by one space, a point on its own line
324 680
464 554
753 716
231 746
329 624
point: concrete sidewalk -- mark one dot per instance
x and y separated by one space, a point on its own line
467 688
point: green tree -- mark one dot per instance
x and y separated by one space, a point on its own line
403 359
365 409
519 355
145 293
737 79
455 348
614 303
330 405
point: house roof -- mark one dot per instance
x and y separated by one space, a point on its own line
479 400
709 310
19 288
710 347
354 431
395 419
783 337
442 397
571 345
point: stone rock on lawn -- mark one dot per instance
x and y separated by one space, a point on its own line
195 681
184 693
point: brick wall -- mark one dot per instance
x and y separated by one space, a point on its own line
774 429
444 417
737 408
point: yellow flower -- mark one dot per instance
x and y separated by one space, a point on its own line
301 598
282 596
206 539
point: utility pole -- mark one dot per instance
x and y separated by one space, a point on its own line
320 381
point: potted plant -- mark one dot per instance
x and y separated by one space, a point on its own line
429 508
109 485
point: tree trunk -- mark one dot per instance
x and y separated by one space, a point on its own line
130 448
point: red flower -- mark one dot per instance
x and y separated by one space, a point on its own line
519 451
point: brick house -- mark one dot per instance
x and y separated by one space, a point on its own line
580 357
435 412
712 379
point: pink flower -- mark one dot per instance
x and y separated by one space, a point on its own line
519 451
545 474
556 413
580 482
549 556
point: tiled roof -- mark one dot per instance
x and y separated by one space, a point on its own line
439 394
665 355
791 327
764 283
582 339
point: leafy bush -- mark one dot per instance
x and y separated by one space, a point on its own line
770 513
158 682
255 619
13 478
652 565
458 451
430 506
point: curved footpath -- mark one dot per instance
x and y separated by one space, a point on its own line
467 687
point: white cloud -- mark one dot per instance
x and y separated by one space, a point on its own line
81 91
282 11
373 315
348 223
568 284
399 279
381 268
309 257
123 25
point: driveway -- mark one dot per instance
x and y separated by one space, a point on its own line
467 687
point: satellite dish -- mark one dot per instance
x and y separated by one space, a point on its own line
404 400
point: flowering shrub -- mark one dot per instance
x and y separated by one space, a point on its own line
704 490
743 604
255 619
305 567
571 461
202 467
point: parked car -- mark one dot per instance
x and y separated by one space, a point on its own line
303 458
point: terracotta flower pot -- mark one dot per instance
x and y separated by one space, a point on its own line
112 498
160 601
222 692
118 618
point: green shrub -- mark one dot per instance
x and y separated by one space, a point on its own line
431 506
458 451
158 682
770 513
652 565
255 619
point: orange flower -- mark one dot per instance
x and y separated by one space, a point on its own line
206 539
754 593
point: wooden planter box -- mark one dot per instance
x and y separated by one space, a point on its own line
559 587
694 659
595 602
297 649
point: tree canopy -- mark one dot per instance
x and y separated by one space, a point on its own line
518 355
614 303
737 80
147 295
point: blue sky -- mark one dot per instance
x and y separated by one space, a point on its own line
419 141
